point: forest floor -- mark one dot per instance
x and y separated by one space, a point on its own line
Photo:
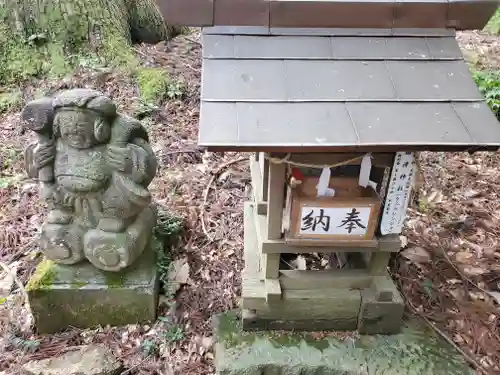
448 270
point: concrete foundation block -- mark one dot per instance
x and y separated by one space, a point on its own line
416 350
83 296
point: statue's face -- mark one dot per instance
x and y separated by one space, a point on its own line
77 127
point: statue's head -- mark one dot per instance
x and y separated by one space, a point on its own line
83 117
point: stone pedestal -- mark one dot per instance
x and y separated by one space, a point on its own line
414 351
83 296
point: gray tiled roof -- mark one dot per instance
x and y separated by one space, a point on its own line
328 91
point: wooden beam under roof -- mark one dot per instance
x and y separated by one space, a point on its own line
455 14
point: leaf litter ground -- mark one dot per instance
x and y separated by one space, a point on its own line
448 271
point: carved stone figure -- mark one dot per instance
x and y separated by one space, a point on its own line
94 166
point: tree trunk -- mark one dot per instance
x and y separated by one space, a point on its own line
99 22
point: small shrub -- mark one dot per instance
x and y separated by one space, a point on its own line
155 85
174 334
169 228
489 85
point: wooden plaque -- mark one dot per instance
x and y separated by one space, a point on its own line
343 217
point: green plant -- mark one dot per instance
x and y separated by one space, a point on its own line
174 334
28 346
176 90
155 85
8 181
489 85
55 45
493 25
149 347
9 154
169 230
169 227
10 101
428 289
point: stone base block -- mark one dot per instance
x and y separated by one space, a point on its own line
416 350
380 316
83 296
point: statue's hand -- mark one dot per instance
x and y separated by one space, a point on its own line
120 158
44 154
47 192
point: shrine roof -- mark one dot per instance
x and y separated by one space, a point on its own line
339 90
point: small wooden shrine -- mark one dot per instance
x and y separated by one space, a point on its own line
334 118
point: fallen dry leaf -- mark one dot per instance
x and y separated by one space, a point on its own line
416 255
463 256
474 271
6 284
178 273
207 342
495 295
434 197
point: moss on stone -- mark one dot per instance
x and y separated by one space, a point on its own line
43 277
78 284
114 279
416 350
229 331
126 297
54 42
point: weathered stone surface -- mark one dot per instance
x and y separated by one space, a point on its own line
88 360
6 283
84 296
377 316
94 166
414 351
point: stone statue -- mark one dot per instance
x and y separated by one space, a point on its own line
94 166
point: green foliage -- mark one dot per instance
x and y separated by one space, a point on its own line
10 101
423 205
33 50
149 348
116 52
43 277
494 25
155 85
489 85
28 346
8 181
9 155
114 279
173 334
428 289
142 111
56 45
169 230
